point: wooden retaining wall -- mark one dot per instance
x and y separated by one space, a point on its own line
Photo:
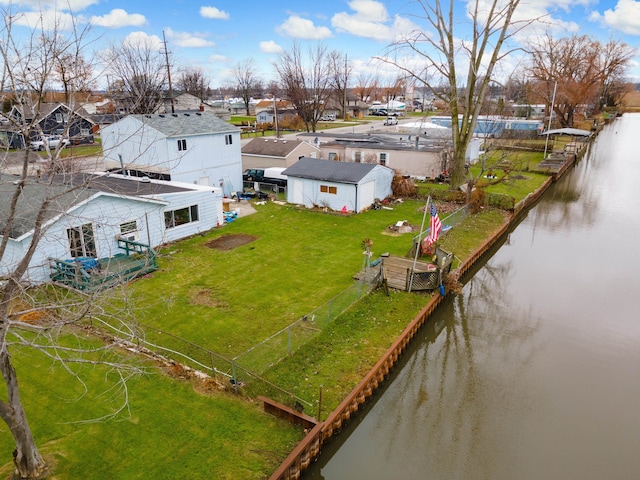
309 448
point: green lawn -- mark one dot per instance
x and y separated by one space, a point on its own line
169 431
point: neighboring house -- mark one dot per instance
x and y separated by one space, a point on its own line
195 147
340 186
355 107
53 119
284 114
89 221
409 154
264 152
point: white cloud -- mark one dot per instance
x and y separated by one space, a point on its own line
45 20
299 27
624 17
189 39
269 46
370 19
214 13
141 38
218 59
119 18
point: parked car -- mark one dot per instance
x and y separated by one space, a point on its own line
329 117
391 121
379 113
52 141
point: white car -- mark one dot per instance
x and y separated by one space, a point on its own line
391 121
52 141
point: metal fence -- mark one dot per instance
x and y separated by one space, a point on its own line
272 350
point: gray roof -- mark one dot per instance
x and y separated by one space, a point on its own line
329 170
64 193
270 146
186 123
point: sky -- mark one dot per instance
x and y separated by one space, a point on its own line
216 35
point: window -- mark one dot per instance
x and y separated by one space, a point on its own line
333 156
357 157
181 216
329 189
129 231
383 159
81 241
182 145
228 139
62 117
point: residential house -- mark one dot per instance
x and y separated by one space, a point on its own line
409 153
284 114
89 222
355 107
339 186
52 119
195 147
264 152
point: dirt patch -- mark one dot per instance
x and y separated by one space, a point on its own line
205 297
229 242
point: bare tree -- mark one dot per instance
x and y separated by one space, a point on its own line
75 74
193 80
340 75
32 317
247 82
306 83
442 55
366 87
141 68
580 69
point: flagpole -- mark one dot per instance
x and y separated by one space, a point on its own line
419 244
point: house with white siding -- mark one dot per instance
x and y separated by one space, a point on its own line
190 147
340 186
92 213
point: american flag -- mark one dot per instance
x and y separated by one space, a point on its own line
435 226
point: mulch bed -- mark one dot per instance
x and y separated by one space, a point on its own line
229 242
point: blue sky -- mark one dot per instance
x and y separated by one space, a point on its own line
216 35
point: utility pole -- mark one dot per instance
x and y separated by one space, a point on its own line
346 79
166 56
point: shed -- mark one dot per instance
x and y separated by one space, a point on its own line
340 186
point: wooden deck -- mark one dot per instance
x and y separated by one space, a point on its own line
396 271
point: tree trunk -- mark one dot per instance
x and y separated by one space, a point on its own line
457 171
26 457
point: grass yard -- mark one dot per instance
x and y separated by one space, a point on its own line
170 430
299 261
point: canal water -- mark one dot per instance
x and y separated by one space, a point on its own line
533 371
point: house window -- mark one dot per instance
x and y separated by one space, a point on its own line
228 139
129 231
62 117
357 157
333 156
181 216
81 241
329 189
182 144
383 159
